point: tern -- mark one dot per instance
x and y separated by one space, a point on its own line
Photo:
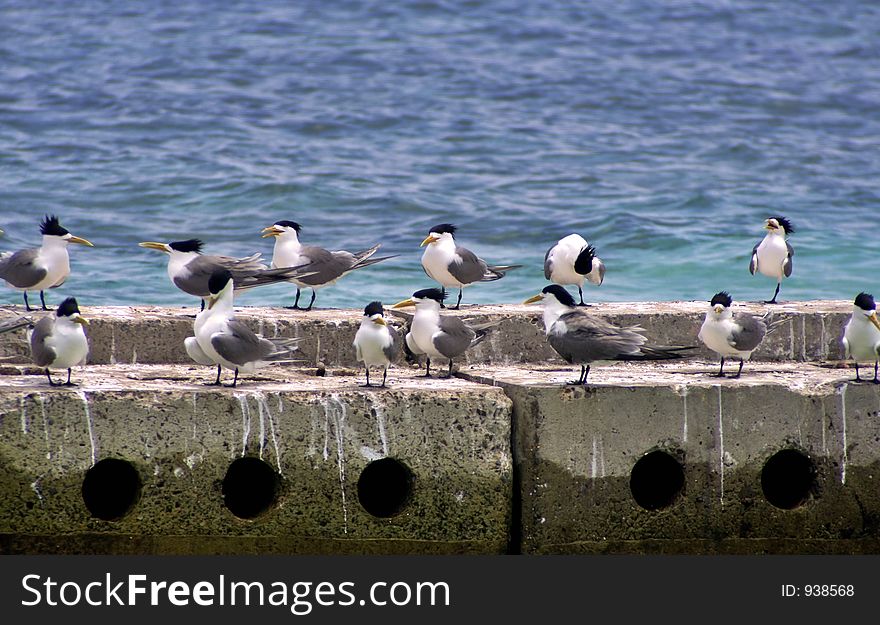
454 266
773 255
572 261
376 343
59 342
582 339
732 335
222 340
861 336
190 270
439 336
44 267
327 267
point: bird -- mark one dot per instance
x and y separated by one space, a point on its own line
454 266
572 261
190 270
732 335
327 267
40 268
222 340
439 336
582 339
861 336
773 255
376 343
58 341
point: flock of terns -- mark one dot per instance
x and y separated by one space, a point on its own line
59 342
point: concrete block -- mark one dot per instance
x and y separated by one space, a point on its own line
669 458
315 476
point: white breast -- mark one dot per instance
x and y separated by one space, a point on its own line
772 253
370 343
862 339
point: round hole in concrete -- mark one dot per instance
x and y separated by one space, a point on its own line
657 480
385 487
788 478
111 488
250 487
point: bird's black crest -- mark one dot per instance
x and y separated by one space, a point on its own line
786 224
444 228
218 280
289 224
374 308
51 226
435 294
67 308
190 245
584 262
865 301
722 298
561 294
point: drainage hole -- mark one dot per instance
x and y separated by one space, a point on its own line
385 487
111 488
250 487
657 480
788 478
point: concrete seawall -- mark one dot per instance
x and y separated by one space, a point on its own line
501 458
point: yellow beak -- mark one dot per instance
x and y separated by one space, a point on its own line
81 320
404 304
80 241
874 320
271 231
211 301
534 300
429 239
719 309
153 245
379 321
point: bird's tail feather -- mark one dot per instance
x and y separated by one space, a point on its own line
482 330
496 272
366 262
284 349
773 324
15 323
660 352
249 279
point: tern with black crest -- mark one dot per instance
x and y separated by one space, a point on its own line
573 261
454 266
773 255
44 267
436 335
325 267
222 340
582 339
59 342
376 343
861 336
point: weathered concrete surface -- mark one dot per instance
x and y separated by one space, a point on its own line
318 433
152 335
576 448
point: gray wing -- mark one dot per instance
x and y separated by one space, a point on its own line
597 275
454 337
753 263
201 267
547 268
750 332
470 269
393 351
787 265
42 354
242 345
588 339
327 266
21 269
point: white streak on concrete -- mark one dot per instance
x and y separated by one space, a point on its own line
371 454
594 460
35 486
601 457
24 420
245 421
88 414
804 338
684 428
266 415
843 461
41 401
721 441
379 409
112 343
791 340
134 355
336 411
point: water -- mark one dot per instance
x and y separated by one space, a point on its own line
663 132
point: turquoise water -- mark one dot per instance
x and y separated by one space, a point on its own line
664 132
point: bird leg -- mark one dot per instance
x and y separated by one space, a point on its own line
384 375
43 301
311 301
738 373
49 375
720 373
295 302
69 383
876 381
443 291
27 306
427 368
458 303
234 380
449 375
582 380
367 369
773 301
581 293
858 379
217 381
203 305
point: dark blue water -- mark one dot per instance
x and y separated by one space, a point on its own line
664 132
